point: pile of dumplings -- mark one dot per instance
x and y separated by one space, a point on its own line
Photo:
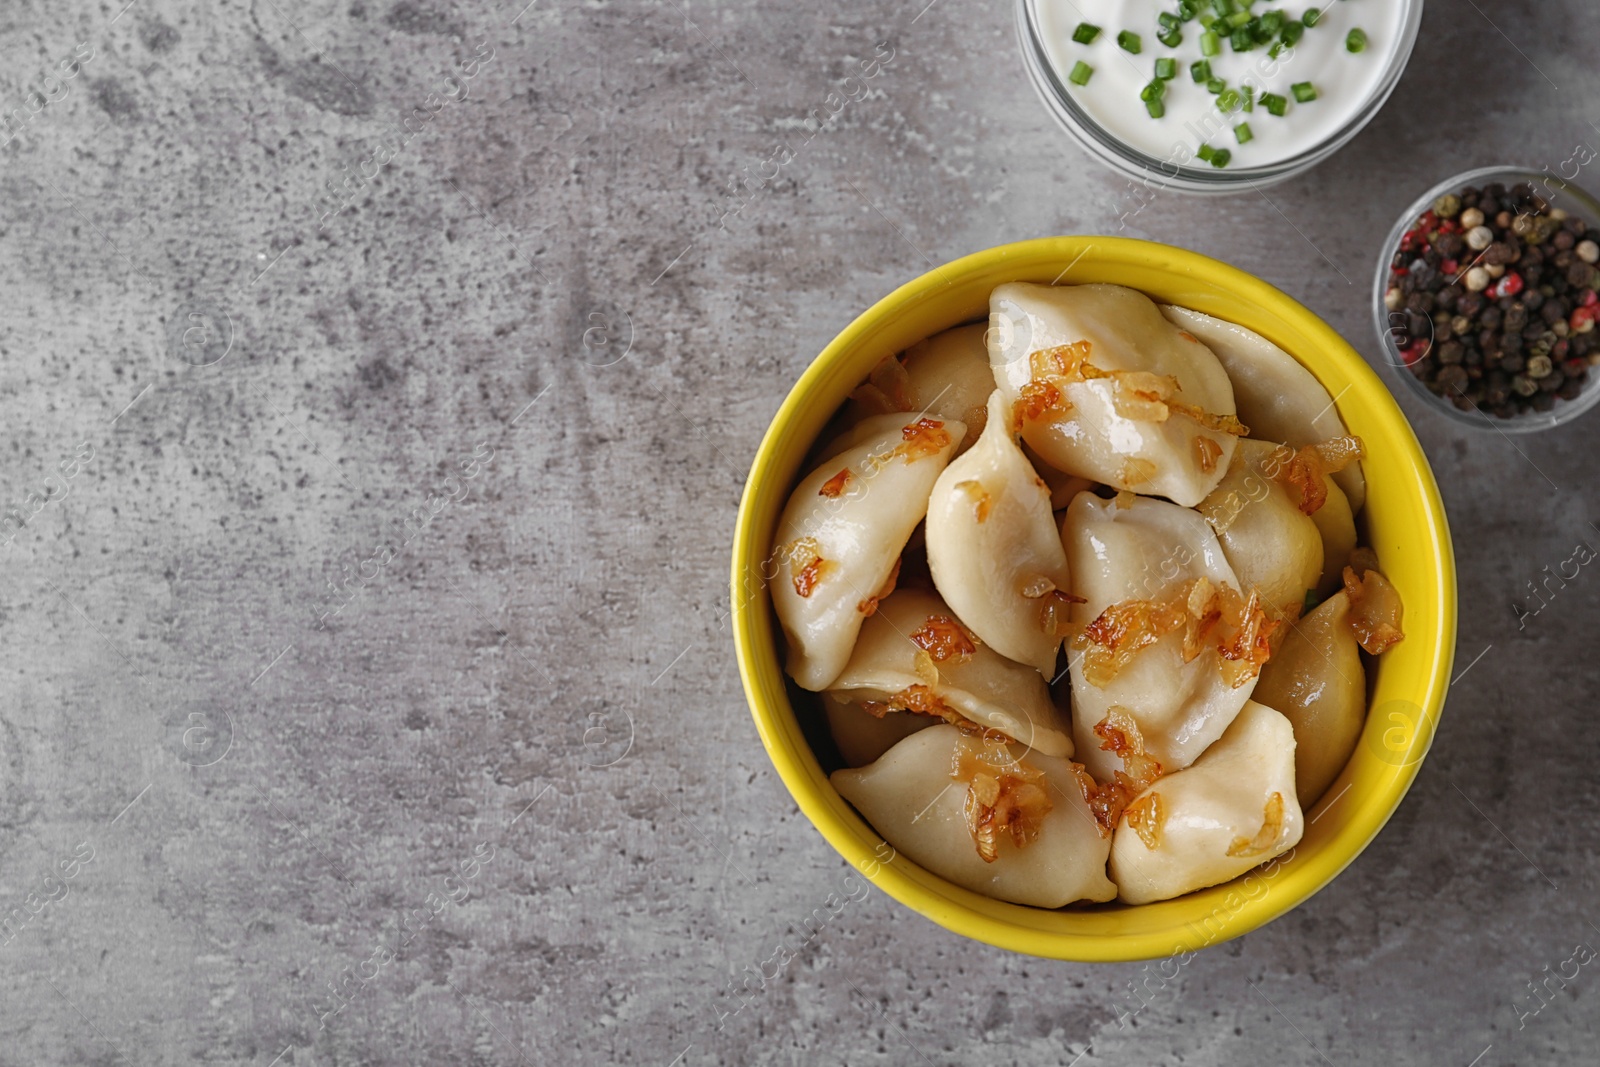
1081 594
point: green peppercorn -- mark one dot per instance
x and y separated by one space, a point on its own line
1539 367
1447 206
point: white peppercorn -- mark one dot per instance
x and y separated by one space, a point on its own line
1588 251
1479 238
1477 279
1471 219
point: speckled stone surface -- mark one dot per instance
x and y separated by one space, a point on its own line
448 298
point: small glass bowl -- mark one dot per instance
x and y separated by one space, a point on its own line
1164 173
1560 194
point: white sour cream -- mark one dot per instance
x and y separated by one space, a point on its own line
1345 82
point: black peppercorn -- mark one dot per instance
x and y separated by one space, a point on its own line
1511 342
1543 402
1578 275
1469 304
1570 389
1554 311
1451 352
1532 298
1511 363
1564 240
1490 319
1497 254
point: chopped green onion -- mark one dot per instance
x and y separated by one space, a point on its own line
1304 92
1166 68
1207 19
1220 157
1168 20
1215 86
1186 10
1249 97
1130 42
1154 91
1171 38
1292 33
1242 134
1081 72
1085 33
1274 103
1229 100
1272 23
1156 108
1242 40
1276 50
1355 40
1222 8
1210 43
1239 19
1200 71
1206 152
1311 17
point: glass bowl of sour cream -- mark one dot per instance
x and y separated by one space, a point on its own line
1300 88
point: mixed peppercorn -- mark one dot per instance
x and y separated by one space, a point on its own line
1492 300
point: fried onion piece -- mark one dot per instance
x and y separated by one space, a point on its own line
1211 616
1135 471
1055 611
943 637
1375 610
1145 817
1120 736
835 485
1008 798
982 502
1267 836
1121 631
1206 453
887 389
806 565
917 699
1036 400
1305 471
1139 395
1249 645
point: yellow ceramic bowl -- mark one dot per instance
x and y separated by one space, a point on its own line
1404 520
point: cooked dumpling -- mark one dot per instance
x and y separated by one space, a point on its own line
995 819
1234 809
841 534
994 550
1166 635
1337 526
946 376
861 736
915 654
1272 545
1316 680
1103 387
1278 398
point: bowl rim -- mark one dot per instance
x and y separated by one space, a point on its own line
1565 411
977 917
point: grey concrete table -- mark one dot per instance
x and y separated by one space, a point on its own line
379 379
